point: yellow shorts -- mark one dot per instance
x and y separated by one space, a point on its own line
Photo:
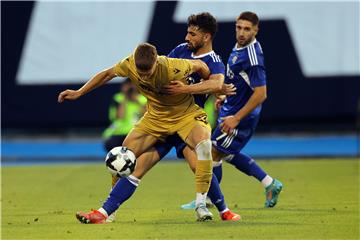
161 128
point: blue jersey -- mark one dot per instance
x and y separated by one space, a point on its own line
212 60
245 69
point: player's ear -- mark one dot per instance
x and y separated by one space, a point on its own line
256 29
207 37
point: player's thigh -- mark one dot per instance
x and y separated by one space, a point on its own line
197 134
231 143
139 142
190 157
194 128
145 162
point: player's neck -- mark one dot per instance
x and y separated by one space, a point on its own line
205 49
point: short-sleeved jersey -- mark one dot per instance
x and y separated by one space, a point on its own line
212 60
246 70
160 105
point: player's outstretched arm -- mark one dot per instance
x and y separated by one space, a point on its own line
215 84
99 79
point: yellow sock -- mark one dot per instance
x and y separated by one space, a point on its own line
203 175
114 180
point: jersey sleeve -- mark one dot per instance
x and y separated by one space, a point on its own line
257 76
179 69
122 68
175 52
216 67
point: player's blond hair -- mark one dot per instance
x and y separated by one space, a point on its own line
145 56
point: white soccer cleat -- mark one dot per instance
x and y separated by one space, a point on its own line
111 218
202 213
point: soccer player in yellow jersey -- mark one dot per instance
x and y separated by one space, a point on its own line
202 28
166 115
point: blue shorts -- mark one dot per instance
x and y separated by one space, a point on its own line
236 141
164 148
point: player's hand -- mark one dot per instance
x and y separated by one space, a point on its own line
175 87
68 95
219 102
228 124
228 89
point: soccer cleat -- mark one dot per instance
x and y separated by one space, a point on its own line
230 216
202 213
272 193
94 217
191 205
187 206
111 218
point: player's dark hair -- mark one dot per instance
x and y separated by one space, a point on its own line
145 56
249 16
205 21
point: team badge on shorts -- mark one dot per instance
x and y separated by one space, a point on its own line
202 117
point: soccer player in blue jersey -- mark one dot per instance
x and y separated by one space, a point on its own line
200 33
240 113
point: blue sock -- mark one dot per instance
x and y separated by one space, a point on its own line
217 170
215 194
247 165
123 189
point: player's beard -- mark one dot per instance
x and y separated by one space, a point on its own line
244 42
194 48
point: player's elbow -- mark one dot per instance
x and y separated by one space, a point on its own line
201 68
261 93
263 96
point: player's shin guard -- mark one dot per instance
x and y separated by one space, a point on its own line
203 172
203 175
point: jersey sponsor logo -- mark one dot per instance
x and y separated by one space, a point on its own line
144 87
149 89
229 73
202 118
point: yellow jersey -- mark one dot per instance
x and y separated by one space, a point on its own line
160 105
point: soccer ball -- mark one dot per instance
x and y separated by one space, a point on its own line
120 161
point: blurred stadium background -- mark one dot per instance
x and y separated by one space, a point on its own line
313 105
312 112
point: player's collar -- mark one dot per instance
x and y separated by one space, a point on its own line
202 55
236 48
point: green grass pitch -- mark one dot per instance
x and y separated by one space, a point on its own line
320 200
